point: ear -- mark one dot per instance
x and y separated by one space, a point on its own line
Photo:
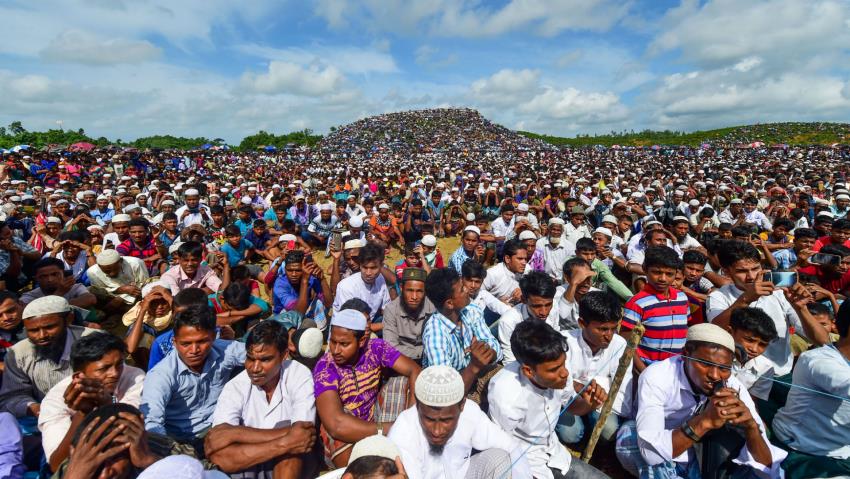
527 371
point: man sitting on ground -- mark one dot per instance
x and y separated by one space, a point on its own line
538 293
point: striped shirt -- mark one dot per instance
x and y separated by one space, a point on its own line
446 343
665 319
458 258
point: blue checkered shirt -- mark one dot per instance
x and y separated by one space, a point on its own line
446 343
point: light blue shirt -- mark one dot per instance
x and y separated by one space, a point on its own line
179 402
445 343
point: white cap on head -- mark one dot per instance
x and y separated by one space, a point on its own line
310 343
527 235
245 200
429 241
711 333
167 203
694 203
326 207
522 207
377 445
121 218
843 196
470 217
349 319
556 221
108 257
353 244
383 206
355 222
286 237
474 229
439 386
605 231
192 192
46 305
54 219
94 228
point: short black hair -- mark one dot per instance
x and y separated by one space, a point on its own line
584 245
259 223
169 216
371 252
801 233
101 414
357 304
139 222
837 249
572 263
270 333
48 262
232 230
6 295
215 210
842 319
754 320
473 269
93 347
534 342
190 248
511 247
237 295
841 224
661 257
693 256
537 283
734 251
816 308
190 296
369 467
785 222
198 316
600 306
439 285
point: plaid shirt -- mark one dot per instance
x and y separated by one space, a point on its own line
129 248
447 344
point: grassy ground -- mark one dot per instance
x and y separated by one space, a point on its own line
446 246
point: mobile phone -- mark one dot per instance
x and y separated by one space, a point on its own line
781 279
308 257
825 259
67 273
336 240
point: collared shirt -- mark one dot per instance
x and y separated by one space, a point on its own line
54 421
509 321
500 228
244 404
573 234
284 295
666 400
778 352
501 281
130 248
79 266
458 258
665 319
178 401
102 217
133 271
177 280
567 310
193 218
322 228
357 386
758 218
484 300
813 423
28 376
377 296
447 343
474 431
750 372
403 329
585 366
554 257
530 415
75 291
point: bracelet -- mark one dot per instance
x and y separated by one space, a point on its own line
687 430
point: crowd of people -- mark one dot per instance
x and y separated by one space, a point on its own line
238 314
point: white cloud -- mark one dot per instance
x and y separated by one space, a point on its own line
347 59
507 87
286 77
76 46
430 57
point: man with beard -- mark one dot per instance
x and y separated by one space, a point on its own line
193 212
694 398
51 279
100 378
263 422
36 364
437 436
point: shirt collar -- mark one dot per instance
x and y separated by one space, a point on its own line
211 359
650 290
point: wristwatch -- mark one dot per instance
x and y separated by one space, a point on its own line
687 430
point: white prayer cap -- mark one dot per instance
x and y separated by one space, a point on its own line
146 289
694 203
679 219
310 343
192 192
94 227
252 188
470 217
355 222
246 200
179 467
556 221
60 202
439 386
843 196
353 244
122 218
609 219
473 228
658 203
350 319
132 207
527 235
167 203
276 186
522 207
383 206
108 257
326 207
377 445
429 241
605 231
710 333
286 237
102 197
53 219
46 305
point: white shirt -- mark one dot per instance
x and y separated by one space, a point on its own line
244 404
813 423
377 296
111 238
751 372
54 421
193 218
778 352
474 431
530 415
689 243
585 366
500 228
501 281
133 271
508 322
574 234
554 257
485 299
758 218
567 310
666 400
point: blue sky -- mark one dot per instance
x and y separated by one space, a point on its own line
217 68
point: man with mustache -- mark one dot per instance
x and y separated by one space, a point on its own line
100 378
38 363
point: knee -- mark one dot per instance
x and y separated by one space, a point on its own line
569 429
